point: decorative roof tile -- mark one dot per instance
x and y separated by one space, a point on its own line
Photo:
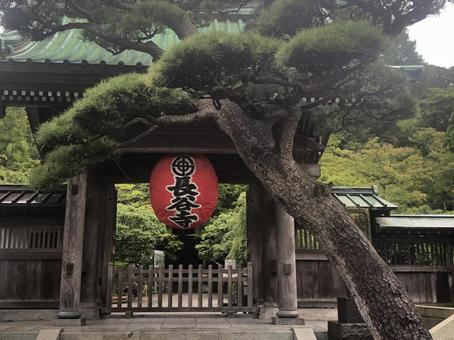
69 46
367 197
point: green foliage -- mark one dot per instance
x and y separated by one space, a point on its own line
139 233
204 61
334 45
69 160
18 155
286 17
450 133
437 109
419 178
107 107
89 132
133 195
228 196
224 237
402 51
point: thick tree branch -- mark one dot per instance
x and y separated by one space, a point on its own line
288 132
150 47
183 28
206 110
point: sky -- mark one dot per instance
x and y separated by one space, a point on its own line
434 37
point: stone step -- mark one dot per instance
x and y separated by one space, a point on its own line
22 335
181 335
298 333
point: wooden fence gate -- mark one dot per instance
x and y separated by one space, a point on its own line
199 289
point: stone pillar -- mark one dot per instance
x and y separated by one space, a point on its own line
73 248
286 269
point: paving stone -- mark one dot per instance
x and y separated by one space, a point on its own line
49 334
256 335
18 336
182 323
101 336
196 335
218 323
304 333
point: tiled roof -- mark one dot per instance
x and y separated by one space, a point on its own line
416 221
69 46
23 196
362 198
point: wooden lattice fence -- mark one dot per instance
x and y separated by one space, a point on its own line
139 289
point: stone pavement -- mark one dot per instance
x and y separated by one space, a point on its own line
171 326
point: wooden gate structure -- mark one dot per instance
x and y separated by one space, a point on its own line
135 289
46 86
34 76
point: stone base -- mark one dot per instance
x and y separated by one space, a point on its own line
90 313
49 334
28 314
348 311
287 321
68 322
348 331
267 311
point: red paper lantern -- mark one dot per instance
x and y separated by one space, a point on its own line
183 190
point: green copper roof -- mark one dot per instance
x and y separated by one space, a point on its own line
71 47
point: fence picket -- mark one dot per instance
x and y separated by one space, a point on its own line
170 286
240 286
160 286
220 286
180 286
199 286
190 279
109 287
210 286
130 285
229 287
120 290
249 285
150 286
140 287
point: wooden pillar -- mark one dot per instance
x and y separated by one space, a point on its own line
73 248
286 267
269 262
93 233
107 239
254 238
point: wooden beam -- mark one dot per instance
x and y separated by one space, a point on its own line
73 248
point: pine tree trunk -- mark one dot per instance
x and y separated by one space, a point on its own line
381 299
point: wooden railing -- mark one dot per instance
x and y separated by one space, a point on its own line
30 238
136 289
409 250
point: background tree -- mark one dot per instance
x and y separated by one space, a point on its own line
18 153
139 232
256 82
224 237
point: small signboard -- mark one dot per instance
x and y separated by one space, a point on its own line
230 263
159 258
